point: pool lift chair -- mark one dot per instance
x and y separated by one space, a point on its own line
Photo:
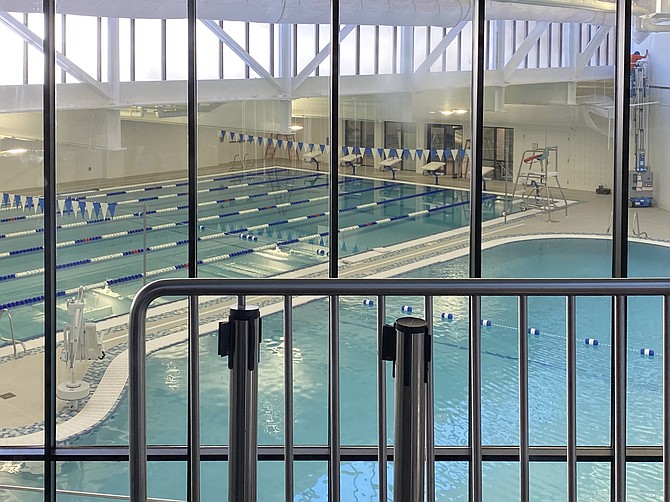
81 342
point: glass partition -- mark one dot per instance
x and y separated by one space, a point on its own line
398 204
22 242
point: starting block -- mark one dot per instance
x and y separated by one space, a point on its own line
390 164
350 160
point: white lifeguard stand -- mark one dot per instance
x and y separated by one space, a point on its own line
537 180
81 342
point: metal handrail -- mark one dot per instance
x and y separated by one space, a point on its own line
11 332
77 493
237 158
619 289
244 161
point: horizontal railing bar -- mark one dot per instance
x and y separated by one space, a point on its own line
320 453
474 288
76 493
400 287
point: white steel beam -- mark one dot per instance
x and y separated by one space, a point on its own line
591 48
573 46
524 49
113 59
241 53
438 50
63 62
407 50
285 53
319 58
499 38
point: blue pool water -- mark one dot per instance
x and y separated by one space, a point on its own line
275 207
166 372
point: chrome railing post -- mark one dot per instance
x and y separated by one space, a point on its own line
239 339
407 344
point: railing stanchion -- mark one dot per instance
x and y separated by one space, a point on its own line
619 345
571 393
666 398
430 406
406 343
239 340
288 397
334 399
524 466
475 412
381 401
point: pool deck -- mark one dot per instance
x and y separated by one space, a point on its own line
22 403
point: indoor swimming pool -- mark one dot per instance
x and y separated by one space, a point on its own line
523 257
253 224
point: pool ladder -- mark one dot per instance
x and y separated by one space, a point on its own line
244 162
11 332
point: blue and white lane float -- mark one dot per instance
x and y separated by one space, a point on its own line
98 195
77 224
226 256
183 242
86 240
166 196
214 189
113 193
590 342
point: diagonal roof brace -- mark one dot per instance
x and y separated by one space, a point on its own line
524 49
438 50
241 52
319 58
584 57
63 62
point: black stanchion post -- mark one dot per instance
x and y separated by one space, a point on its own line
407 344
239 340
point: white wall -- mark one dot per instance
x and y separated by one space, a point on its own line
584 161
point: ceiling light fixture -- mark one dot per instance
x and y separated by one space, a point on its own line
295 127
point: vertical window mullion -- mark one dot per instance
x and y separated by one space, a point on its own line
272 50
63 46
25 54
317 42
247 47
50 317
376 64
99 55
193 440
132 50
163 49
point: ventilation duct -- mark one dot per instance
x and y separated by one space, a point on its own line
444 13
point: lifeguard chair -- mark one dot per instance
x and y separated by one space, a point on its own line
537 180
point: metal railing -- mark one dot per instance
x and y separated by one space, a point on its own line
11 338
618 453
